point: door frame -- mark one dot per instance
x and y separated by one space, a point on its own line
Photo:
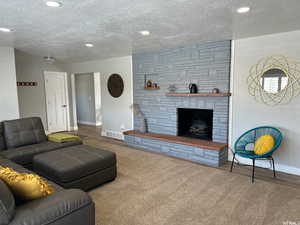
75 125
73 96
66 92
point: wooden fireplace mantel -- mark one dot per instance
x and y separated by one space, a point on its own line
199 94
179 140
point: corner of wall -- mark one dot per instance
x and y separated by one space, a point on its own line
230 121
9 93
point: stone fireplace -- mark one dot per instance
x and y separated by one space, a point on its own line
195 123
189 127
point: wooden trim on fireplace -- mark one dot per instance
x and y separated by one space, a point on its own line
199 94
178 140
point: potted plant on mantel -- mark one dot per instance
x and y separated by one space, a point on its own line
137 111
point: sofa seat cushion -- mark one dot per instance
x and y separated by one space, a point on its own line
53 208
7 204
73 163
24 155
10 164
22 132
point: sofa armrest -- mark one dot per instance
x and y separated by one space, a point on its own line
71 206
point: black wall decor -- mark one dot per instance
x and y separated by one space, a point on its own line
115 85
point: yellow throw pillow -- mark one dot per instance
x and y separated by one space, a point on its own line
62 137
264 144
26 186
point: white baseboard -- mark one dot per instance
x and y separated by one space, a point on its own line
113 134
74 128
87 123
266 164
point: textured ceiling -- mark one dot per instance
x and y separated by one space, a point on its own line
113 25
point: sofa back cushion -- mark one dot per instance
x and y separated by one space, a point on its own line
7 204
2 140
22 132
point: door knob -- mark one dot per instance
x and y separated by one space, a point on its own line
64 106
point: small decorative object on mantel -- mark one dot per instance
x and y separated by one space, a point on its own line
193 88
172 88
274 80
215 91
149 84
137 111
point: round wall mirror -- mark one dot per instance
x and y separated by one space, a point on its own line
115 85
274 80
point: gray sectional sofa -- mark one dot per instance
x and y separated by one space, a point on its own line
20 141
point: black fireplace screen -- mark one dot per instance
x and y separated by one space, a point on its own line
195 123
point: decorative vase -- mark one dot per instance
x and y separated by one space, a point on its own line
144 126
193 88
149 84
215 91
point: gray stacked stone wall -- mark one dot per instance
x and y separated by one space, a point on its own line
207 65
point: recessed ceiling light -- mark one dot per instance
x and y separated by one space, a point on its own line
6 30
145 32
53 4
243 9
89 45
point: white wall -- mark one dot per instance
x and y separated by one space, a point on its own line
247 113
116 113
85 98
9 107
32 100
97 91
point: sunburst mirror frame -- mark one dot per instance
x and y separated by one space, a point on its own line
290 67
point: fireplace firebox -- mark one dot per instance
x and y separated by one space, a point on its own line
195 123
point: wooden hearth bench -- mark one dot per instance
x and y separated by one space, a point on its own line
205 152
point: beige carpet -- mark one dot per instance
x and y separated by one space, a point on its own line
152 189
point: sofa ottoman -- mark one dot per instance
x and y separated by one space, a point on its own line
78 166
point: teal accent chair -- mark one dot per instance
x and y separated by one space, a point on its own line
249 137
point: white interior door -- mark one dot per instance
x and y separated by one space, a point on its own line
56 101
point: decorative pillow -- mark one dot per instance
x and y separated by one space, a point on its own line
264 144
62 137
7 204
26 186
